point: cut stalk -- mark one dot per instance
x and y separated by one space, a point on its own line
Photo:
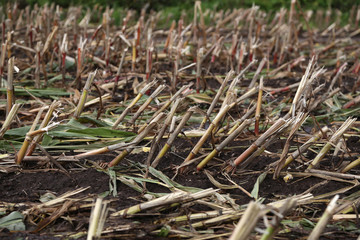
239 121
305 146
139 137
304 81
183 91
161 133
44 123
275 222
351 165
21 153
9 118
333 140
97 219
173 24
79 62
176 197
199 57
149 53
222 145
38 63
10 96
173 136
28 138
133 59
295 125
257 73
117 77
213 124
84 94
217 97
63 50
275 127
248 221
2 59
134 101
258 106
325 218
157 91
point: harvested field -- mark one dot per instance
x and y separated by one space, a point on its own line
234 124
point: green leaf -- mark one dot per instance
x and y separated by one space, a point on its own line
47 197
259 180
8 146
104 194
170 183
21 131
70 134
46 92
164 231
57 78
75 124
97 122
13 222
307 223
103 132
112 181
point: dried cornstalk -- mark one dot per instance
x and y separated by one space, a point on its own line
303 83
275 222
333 140
351 165
217 97
173 136
239 121
44 123
248 221
300 119
305 146
29 137
63 51
212 126
48 40
79 62
272 130
291 23
9 118
173 24
222 145
37 66
257 73
97 219
125 152
157 91
10 96
161 133
199 56
134 101
320 226
84 94
176 197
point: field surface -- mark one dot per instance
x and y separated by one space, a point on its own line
231 124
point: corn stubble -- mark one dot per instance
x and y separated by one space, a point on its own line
244 84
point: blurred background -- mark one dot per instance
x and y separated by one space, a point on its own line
343 5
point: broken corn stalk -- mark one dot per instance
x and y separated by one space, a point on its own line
134 101
333 140
222 145
276 126
84 94
213 124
